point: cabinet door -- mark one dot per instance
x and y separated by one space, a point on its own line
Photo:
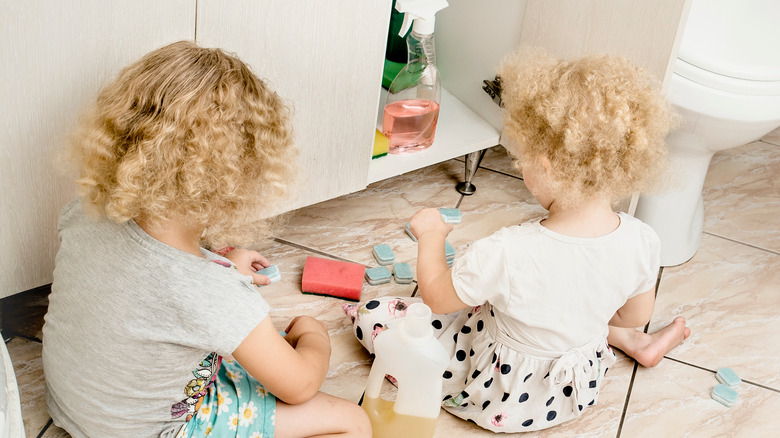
54 56
473 37
325 58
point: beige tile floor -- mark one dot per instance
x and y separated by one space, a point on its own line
729 292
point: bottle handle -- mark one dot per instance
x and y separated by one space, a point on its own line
375 380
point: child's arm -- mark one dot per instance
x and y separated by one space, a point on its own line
636 312
293 367
434 278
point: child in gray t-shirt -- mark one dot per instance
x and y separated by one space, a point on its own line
185 146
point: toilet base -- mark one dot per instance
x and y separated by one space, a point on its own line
676 211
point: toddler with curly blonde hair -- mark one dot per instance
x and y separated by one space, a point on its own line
528 313
148 333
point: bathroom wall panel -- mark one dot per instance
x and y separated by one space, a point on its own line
472 37
54 56
326 60
645 31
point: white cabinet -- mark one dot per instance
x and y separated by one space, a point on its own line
324 58
473 37
54 55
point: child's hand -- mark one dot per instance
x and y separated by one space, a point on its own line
302 325
248 262
429 220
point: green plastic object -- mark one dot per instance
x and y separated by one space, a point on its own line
396 51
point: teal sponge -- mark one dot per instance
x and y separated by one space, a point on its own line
451 215
724 395
384 254
271 272
402 273
728 377
378 275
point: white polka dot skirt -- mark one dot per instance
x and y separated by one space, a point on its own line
492 380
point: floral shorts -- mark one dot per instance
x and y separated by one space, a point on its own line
236 405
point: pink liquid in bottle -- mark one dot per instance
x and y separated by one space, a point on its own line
410 124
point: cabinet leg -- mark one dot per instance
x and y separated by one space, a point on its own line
472 163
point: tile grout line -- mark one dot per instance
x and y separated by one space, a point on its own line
714 372
502 173
493 170
29 338
636 364
742 243
314 250
45 428
628 399
769 143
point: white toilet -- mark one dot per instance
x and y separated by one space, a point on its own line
726 85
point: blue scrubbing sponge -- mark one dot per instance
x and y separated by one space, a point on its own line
451 215
402 273
378 275
728 377
409 232
384 254
724 395
271 272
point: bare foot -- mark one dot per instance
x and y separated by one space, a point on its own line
649 348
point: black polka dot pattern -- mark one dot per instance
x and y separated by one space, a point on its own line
359 333
373 304
508 395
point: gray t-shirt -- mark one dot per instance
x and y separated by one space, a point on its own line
134 326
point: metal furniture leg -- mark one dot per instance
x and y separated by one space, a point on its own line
472 164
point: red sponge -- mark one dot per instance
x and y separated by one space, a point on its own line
333 278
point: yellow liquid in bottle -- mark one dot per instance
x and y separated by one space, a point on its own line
387 424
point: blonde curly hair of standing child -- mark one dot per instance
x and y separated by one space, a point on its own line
146 151
599 119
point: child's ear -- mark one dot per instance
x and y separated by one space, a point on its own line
545 162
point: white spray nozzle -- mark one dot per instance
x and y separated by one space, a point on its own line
421 12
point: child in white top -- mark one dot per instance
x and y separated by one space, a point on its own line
528 312
185 145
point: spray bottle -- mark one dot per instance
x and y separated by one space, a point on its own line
416 360
412 107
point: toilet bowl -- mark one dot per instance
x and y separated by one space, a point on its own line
726 87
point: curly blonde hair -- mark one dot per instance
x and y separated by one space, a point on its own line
186 133
600 120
